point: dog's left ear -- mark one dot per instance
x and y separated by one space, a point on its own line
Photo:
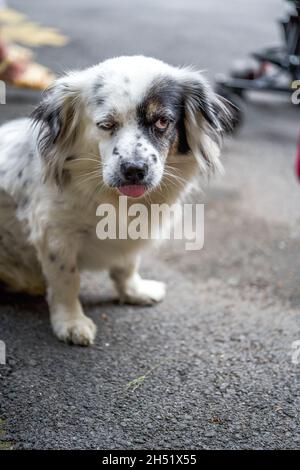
207 117
57 120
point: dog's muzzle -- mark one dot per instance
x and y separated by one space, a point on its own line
134 175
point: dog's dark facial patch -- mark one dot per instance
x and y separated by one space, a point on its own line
115 151
164 100
52 257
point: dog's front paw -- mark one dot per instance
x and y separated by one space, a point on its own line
80 330
144 292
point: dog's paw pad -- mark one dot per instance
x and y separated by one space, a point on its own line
145 293
80 331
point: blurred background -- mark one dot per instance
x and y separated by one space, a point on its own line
208 34
220 344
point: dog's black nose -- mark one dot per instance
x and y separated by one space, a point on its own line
134 172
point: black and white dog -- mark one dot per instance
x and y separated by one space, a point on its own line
125 126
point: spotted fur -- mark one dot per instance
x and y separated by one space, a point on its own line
59 165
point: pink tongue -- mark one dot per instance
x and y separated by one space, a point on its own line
132 190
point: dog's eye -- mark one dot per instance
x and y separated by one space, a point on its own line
106 126
162 124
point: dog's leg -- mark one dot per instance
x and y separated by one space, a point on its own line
68 321
133 289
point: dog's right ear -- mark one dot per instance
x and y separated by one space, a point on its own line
57 120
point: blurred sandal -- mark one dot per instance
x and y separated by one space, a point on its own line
17 69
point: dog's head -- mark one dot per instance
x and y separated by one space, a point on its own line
135 115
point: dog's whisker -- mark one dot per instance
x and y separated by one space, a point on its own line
175 178
80 160
174 181
83 179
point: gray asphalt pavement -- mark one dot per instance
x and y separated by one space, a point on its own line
211 367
